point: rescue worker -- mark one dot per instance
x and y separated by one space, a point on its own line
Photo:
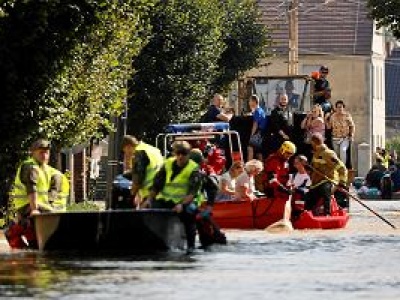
59 190
209 232
326 169
276 171
146 161
29 195
176 186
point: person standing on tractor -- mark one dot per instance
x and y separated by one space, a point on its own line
321 88
146 161
276 171
176 186
280 125
257 130
29 195
326 169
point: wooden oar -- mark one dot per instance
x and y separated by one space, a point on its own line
283 225
353 197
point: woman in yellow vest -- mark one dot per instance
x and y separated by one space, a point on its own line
29 194
176 186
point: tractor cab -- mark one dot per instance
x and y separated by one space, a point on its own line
269 88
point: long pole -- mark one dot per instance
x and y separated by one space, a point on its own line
293 14
353 197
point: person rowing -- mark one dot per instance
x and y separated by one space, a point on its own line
326 169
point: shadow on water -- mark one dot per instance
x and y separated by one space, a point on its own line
30 273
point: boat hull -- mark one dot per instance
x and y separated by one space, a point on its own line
263 212
242 214
112 230
308 221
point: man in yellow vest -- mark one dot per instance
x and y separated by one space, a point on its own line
146 161
176 186
29 195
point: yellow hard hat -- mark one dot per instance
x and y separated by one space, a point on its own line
287 147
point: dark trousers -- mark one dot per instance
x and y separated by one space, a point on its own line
187 217
323 192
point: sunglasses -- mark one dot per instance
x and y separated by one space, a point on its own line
184 153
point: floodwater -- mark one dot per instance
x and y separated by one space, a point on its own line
359 262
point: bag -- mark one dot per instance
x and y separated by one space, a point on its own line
256 140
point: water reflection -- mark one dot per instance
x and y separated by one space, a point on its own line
359 262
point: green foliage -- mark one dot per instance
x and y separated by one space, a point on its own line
393 144
246 41
386 13
92 87
196 48
175 68
64 66
83 206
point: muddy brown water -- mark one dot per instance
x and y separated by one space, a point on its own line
359 262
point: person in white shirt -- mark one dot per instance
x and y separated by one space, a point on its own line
244 187
227 182
301 183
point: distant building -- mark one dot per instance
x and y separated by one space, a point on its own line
338 34
392 74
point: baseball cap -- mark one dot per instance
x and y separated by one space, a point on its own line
40 144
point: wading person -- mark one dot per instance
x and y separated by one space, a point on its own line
209 232
176 186
326 169
30 195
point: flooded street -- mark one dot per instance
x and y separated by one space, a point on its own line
359 262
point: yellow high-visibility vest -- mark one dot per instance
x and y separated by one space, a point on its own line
60 202
176 189
19 193
156 162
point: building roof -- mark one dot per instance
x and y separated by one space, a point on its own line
325 26
392 77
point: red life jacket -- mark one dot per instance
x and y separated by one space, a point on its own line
278 166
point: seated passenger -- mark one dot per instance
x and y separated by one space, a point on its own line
375 174
227 182
300 183
244 187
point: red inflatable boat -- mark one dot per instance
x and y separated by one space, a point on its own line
262 212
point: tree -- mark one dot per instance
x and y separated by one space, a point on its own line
246 41
64 66
386 13
196 48
174 70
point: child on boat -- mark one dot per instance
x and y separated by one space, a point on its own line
300 183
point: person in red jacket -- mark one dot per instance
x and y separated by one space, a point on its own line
276 171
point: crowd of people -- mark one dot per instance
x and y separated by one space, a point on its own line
183 184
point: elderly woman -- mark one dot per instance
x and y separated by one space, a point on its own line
227 182
244 187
